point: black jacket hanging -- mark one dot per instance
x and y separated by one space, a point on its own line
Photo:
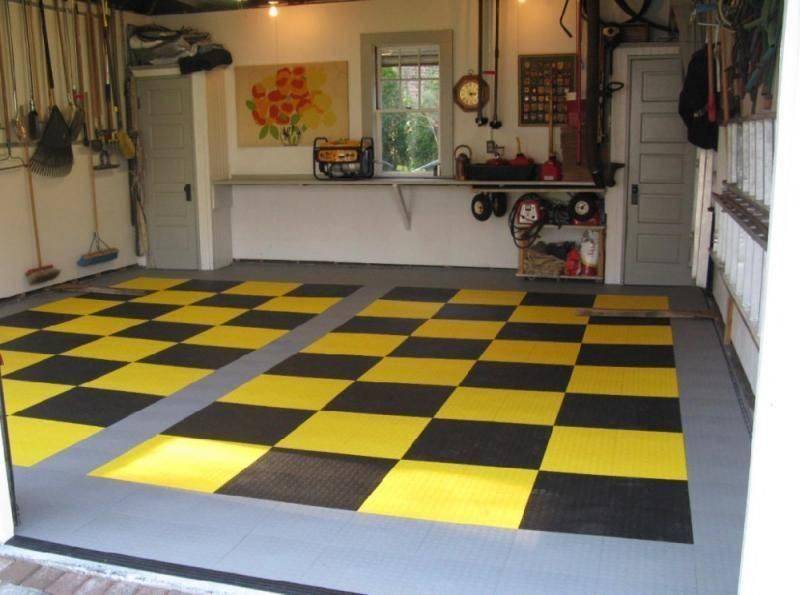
693 103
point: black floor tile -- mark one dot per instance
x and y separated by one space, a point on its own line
274 320
481 443
528 331
574 300
391 399
248 424
345 367
90 406
196 356
475 312
620 413
34 319
48 342
441 348
323 290
205 285
385 326
654 509
138 310
230 300
63 369
163 331
421 294
629 321
518 376
313 479
651 356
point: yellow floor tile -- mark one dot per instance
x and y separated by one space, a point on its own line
210 315
364 434
16 360
77 306
620 334
356 344
548 315
289 392
265 288
458 329
9 333
488 298
532 352
95 325
33 440
419 370
21 394
502 405
239 337
173 298
621 453
301 305
150 283
618 380
183 463
120 349
453 493
632 302
151 379
401 309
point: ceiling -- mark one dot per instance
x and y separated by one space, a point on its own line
156 7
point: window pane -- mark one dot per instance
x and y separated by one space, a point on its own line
391 98
429 71
410 142
390 72
410 94
430 94
409 72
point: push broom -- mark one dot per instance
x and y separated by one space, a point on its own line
41 273
99 251
53 154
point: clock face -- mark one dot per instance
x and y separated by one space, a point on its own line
470 93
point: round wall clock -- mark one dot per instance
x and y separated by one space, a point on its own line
471 92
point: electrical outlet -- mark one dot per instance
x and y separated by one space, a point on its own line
490 146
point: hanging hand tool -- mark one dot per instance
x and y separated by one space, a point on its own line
79 93
94 80
550 171
125 144
8 160
34 126
480 119
496 123
16 112
53 155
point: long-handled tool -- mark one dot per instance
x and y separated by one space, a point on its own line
124 142
16 112
79 94
8 160
496 123
99 251
75 114
53 155
550 170
41 273
480 119
33 126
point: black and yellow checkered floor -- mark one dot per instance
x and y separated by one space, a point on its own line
77 365
497 408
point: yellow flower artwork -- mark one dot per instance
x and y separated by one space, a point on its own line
291 104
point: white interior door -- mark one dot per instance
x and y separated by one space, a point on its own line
165 122
660 177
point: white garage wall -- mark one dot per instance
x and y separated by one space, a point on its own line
363 225
63 204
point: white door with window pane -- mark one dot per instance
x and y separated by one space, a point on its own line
408 112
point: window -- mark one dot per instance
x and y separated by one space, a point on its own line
406 100
407 111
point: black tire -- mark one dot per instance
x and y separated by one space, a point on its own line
583 206
481 206
499 203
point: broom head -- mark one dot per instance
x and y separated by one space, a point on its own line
53 154
98 257
42 274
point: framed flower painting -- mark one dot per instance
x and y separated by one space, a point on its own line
291 104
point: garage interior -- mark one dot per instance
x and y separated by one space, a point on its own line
365 296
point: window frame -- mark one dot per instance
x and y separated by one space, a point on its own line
371 43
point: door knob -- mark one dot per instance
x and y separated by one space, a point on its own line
187 191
